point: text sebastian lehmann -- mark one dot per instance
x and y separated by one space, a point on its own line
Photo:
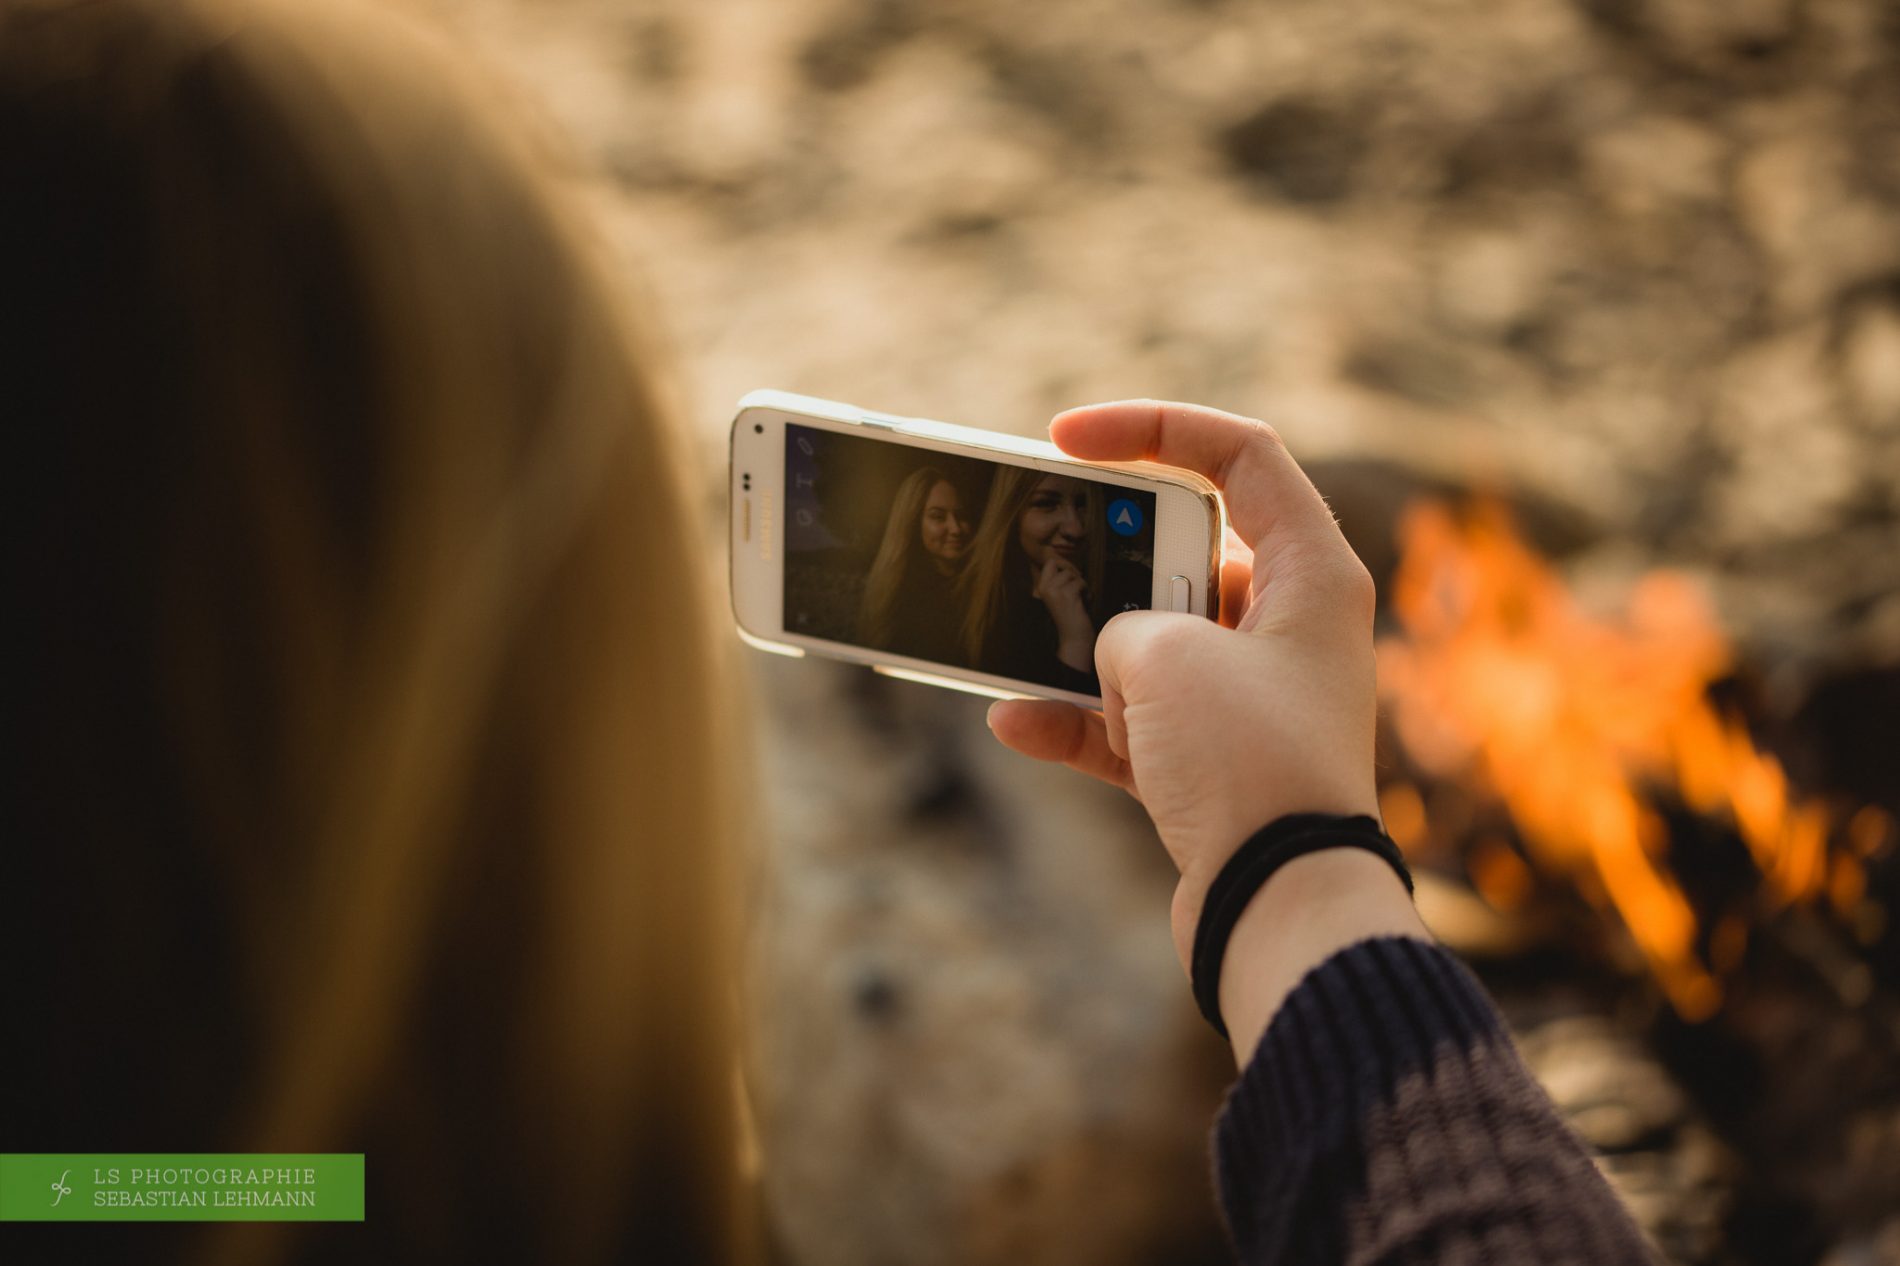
210 1187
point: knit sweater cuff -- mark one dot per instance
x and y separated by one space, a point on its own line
1355 1027
1352 1029
1387 1118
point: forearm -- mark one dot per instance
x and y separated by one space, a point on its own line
1312 908
1385 1117
1079 655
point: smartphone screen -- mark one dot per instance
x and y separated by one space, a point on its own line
957 560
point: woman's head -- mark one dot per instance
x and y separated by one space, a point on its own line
374 787
927 531
1054 520
943 527
1031 516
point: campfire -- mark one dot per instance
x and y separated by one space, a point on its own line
1587 759
1587 730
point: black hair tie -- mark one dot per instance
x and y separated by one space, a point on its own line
1270 848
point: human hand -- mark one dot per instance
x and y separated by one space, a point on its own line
1061 588
1220 730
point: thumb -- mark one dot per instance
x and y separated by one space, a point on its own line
1139 654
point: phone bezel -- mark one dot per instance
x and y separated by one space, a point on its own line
1189 522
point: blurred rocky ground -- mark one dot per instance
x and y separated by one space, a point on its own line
1634 262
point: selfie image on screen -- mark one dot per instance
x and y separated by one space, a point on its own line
959 561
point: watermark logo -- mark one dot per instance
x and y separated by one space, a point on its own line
181 1187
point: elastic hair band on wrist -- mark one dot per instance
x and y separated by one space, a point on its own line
1248 870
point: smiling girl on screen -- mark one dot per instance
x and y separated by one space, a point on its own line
910 596
1033 588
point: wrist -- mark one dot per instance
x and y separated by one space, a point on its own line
1315 906
1230 823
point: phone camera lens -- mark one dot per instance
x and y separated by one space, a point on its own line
758 428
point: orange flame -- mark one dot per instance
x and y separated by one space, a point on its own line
1501 677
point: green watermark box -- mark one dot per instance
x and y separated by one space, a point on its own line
181 1187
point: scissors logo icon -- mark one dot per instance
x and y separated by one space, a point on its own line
60 1189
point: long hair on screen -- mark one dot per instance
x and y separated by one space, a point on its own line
899 555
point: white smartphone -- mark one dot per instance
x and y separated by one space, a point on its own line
950 555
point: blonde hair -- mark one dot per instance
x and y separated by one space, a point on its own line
900 551
996 578
415 705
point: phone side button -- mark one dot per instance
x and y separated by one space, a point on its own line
1180 594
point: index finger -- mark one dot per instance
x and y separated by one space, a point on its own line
1264 488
